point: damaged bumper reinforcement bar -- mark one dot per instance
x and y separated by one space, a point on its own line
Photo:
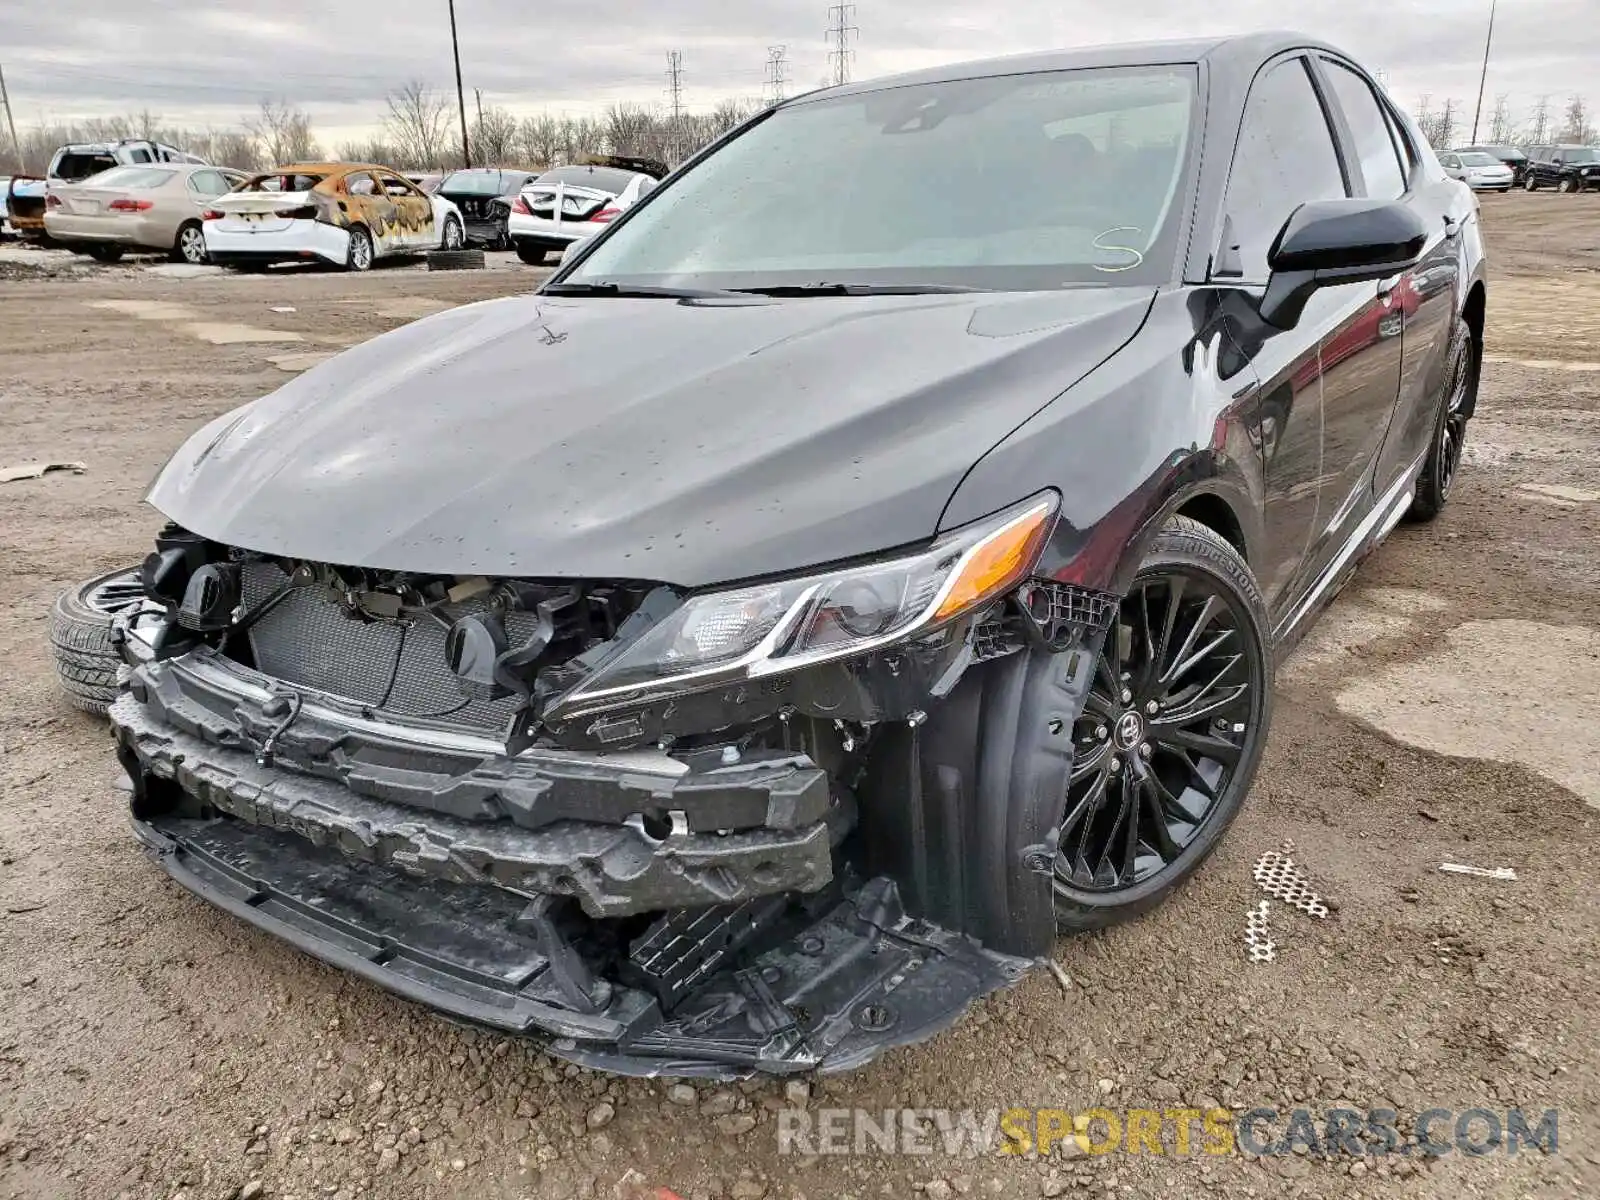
692 925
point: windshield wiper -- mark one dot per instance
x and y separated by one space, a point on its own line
860 289
631 291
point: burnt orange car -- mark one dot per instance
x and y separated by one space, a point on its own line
348 214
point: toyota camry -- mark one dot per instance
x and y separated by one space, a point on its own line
760 643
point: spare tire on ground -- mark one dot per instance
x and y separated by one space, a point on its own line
455 260
80 635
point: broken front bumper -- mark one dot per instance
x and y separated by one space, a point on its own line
645 918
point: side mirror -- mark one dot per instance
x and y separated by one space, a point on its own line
1329 242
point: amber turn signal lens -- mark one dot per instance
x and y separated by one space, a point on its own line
999 562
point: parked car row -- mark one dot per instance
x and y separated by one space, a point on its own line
346 214
107 199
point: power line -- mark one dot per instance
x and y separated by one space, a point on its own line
777 71
841 56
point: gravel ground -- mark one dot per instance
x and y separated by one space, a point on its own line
152 1047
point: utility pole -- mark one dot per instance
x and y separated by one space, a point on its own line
777 71
11 121
842 17
1484 75
461 96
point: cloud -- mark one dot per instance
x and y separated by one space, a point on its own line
200 62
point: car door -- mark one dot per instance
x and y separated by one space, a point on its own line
1363 356
1426 298
368 205
1286 155
413 212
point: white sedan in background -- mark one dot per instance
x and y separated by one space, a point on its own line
569 204
347 214
1479 171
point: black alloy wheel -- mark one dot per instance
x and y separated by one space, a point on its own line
1450 428
1167 745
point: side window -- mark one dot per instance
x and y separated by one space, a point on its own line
360 185
1284 158
1449 160
207 183
1379 167
139 155
398 188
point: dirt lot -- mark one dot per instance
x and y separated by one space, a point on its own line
1442 711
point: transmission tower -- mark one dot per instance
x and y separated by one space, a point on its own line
1539 125
675 84
777 71
840 32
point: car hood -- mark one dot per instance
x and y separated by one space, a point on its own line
683 442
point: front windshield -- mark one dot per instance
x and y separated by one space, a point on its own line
1581 155
1011 182
1479 160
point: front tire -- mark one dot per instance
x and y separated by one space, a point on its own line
1567 186
1449 427
1530 184
530 254
87 664
359 257
1168 744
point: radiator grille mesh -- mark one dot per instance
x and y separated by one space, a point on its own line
308 641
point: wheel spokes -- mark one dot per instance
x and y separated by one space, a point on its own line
1162 733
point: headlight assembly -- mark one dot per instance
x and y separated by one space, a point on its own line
769 628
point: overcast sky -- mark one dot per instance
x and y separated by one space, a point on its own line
207 62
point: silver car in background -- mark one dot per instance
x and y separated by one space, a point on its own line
1479 171
569 204
156 206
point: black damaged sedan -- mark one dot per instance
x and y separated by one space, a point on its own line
866 559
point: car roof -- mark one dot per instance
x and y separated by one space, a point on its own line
326 168
1246 50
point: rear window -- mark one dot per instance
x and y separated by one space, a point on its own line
606 179
478 183
73 167
133 177
281 183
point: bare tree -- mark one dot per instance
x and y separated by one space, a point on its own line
1501 130
494 138
418 124
543 138
282 133
632 129
373 150
585 135
1447 127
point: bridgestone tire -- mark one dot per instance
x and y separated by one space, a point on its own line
87 664
455 260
